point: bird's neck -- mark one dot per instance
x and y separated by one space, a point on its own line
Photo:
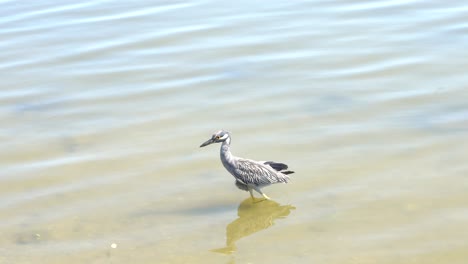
225 151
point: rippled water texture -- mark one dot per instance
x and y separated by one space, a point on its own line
103 105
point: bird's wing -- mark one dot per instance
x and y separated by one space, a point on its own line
276 165
280 167
253 172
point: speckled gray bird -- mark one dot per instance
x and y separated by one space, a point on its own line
249 174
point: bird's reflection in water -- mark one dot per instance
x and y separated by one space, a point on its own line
253 217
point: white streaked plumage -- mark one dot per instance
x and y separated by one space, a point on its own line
249 174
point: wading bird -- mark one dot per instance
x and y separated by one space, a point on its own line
250 174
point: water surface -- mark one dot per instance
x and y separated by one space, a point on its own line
103 105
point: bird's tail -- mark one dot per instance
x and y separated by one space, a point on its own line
280 167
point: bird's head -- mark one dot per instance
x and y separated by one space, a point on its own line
217 137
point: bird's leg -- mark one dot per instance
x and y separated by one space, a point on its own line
263 194
251 193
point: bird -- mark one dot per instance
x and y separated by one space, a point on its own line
249 174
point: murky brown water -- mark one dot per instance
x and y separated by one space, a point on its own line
103 105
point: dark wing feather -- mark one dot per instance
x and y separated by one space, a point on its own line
276 165
281 167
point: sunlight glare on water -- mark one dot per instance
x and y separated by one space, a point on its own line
104 105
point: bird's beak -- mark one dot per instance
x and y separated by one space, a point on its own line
208 142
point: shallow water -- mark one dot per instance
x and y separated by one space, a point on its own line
104 104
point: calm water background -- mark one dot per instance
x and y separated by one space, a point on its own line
103 105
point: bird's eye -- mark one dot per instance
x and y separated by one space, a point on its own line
217 137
